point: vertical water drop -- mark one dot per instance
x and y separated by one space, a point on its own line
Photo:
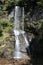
20 38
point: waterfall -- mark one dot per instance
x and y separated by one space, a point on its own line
20 39
19 18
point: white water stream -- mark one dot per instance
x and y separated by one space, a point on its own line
19 32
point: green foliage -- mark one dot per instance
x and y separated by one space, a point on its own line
7 29
6 25
40 2
16 2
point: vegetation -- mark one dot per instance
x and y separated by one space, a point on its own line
9 4
5 27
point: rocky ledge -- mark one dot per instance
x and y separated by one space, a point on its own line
6 61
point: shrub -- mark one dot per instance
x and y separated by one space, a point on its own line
4 22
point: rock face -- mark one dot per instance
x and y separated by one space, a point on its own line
5 61
36 52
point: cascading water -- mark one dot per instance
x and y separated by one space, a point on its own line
17 53
20 39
